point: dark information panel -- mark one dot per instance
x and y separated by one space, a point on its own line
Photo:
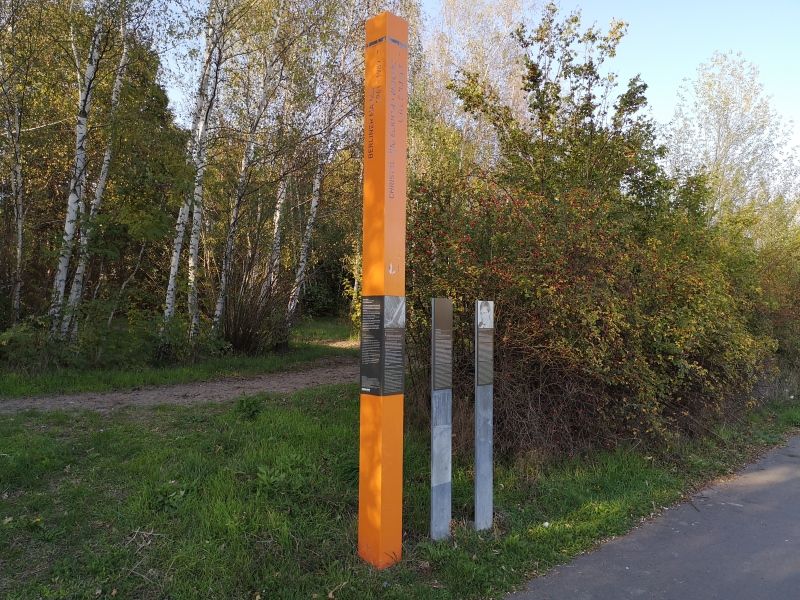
383 321
442 344
484 342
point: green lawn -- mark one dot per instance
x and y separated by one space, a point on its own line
259 500
311 340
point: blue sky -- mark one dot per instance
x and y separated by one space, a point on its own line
668 39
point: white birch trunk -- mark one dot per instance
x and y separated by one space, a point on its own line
253 249
19 226
241 190
274 264
175 259
69 322
194 243
197 199
227 258
253 246
19 230
300 272
196 152
78 180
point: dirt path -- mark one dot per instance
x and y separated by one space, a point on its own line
338 370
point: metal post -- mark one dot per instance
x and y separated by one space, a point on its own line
484 390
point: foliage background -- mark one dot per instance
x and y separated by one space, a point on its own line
643 290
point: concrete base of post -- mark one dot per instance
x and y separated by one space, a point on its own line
441 463
484 472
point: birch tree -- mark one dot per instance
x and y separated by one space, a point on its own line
205 100
334 119
289 120
267 60
473 36
69 321
18 26
272 270
86 80
725 124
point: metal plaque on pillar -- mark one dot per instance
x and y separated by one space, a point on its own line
383 321
484 391
441 416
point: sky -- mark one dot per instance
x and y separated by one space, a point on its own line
668 39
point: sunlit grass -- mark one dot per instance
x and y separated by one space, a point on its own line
261 498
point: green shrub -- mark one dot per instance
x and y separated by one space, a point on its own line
622 310
137 339
601 335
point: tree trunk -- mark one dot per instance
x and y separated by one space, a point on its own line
175 259
227 258
274 264
78 180
206 92
194 244
300 273
200 167
241 190
76 291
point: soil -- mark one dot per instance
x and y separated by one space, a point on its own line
324 372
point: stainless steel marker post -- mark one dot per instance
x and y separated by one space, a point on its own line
484 390
441 416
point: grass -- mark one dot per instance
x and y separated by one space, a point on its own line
259 500
311 340
314 331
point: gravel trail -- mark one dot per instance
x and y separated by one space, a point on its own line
324 372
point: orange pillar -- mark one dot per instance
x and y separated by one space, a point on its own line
380 485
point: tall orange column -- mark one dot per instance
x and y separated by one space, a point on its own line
380 492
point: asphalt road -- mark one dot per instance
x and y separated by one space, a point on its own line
737 540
